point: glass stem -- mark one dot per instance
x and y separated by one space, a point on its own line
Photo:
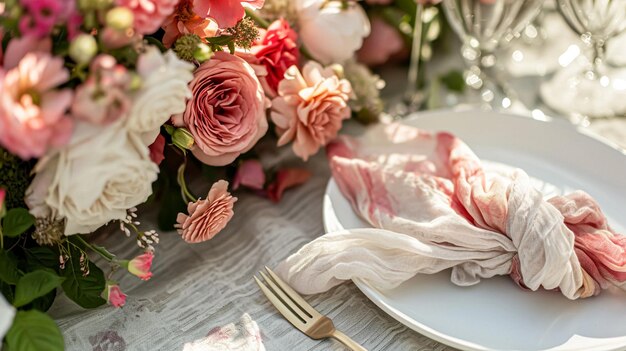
416 51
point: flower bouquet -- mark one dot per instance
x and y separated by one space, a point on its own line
108 104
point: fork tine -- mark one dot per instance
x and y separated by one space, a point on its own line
293 294
286 299
290 316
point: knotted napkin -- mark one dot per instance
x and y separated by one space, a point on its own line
433 205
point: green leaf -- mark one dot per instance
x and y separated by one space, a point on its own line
41 257
221 40
169 129
8 291
8 267
84 290
34 331
454 81
16 222
34 285
43 303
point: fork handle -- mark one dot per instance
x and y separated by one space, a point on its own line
344 339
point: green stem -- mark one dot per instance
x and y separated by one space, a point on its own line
304 51
256 18
156 42
102 253
1 239
184 191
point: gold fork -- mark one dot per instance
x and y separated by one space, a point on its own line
299 313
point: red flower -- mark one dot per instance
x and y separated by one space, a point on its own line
156 150
277 50
285 179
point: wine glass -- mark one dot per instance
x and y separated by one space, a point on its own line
482 25
590 89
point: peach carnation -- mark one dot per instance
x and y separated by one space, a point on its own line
207 217
310 108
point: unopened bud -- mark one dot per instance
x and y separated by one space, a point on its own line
135 82
120 18
83 48
183 138
203 53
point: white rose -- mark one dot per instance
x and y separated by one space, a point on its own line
331 34
164 92
94 179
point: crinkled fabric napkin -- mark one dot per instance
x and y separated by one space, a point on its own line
434 206
242 336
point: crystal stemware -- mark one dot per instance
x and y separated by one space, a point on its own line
482 25
590 89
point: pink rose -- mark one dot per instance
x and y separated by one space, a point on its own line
260 71
149 14
285 179
156 150
310 108
115 296
249 174
104 96
277 50
140 266
225 12
33 114
383 42
207 217
185 21
226 114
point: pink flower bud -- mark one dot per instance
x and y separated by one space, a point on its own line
115 296
3 195
140 266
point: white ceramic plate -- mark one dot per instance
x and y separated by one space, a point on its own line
496 314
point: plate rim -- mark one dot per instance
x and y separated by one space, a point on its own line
373 294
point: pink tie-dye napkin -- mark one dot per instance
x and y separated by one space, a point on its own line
434 205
